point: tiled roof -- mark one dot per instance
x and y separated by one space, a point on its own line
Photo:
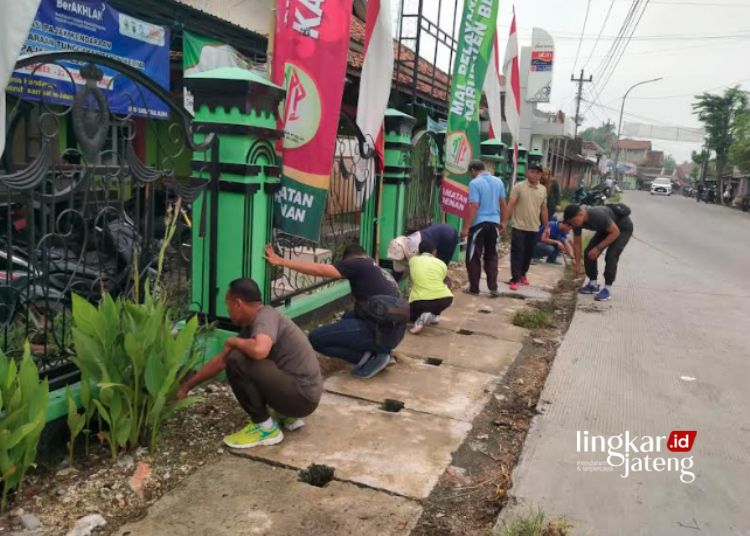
403 76
633 145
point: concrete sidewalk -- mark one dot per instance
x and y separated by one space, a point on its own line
385 463
669 352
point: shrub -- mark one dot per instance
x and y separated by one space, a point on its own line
129 357
23 413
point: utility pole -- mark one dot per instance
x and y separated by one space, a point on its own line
581 80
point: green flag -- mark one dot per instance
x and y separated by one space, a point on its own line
462 137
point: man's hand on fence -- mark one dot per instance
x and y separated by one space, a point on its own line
272 257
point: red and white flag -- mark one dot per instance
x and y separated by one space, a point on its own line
15 22
375 85
513 92
493 84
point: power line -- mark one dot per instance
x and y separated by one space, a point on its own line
693 93
615 64
601 31
583 31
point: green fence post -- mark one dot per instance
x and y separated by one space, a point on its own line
398 127
233 216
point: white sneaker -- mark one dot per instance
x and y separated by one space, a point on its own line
423 319
435 320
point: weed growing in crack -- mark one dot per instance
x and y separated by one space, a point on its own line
532 319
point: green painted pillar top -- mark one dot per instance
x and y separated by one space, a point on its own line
398 129
494 155
242 108
535 156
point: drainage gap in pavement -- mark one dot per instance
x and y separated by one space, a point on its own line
465 332
317 475
434 361
392 406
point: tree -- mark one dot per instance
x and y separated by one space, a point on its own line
605 135
669 164
719 113
740 150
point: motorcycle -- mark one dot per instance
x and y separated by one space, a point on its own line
596 196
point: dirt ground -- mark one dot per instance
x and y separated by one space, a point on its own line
473 490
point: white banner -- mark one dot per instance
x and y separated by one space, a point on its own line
539 85
658 132
15 21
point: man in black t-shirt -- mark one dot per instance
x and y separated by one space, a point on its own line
612 232
353 338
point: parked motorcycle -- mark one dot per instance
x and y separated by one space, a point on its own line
596 196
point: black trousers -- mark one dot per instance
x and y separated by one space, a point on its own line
522 245
416 308
482 246
259 383
612 257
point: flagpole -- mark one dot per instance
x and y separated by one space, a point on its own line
271 38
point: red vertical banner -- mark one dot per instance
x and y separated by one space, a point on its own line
310 57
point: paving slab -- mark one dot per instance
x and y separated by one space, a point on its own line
439 390
476 352
404 452
239 496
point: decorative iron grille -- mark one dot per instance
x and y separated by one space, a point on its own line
80 210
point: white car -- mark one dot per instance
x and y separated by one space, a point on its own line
661 186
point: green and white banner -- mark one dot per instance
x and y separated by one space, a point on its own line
201 54
462 138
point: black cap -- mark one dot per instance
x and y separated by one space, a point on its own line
536 167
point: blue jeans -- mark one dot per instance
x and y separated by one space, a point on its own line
546 250
347 339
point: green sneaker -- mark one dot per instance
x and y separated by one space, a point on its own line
290 424
254 435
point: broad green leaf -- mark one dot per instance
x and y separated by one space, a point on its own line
84 315
155 374
76 421
103 413
122 433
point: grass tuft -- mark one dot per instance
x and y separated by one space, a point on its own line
532 319
533 524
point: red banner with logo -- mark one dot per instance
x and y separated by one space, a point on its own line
310 58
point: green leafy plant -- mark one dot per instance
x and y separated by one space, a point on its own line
23 413
76 423
127 351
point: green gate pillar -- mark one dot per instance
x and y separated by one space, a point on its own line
398 127
522 161
535 156
232 218
494 157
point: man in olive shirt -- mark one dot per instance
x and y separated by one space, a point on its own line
613 228
271 367
528 207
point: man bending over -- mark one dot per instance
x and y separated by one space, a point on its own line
359 338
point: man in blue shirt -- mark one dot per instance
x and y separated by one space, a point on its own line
482 227
553 240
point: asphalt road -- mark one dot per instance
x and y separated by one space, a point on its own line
671 351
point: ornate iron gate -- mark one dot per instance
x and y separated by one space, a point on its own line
421 190
80 210
342 222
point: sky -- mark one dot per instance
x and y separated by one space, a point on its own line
695 45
